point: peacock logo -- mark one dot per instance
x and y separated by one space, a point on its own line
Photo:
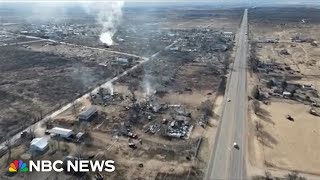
18 165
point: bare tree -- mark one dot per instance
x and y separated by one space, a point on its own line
268 175
8 145
284 84
253 60
258 126
132 87
207 107
101 94
32 130
255 93
256 106
79 151
222 85
91 97
259 130
294 175
52 145
74 109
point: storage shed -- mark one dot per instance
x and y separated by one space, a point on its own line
39 144
88 114
62 132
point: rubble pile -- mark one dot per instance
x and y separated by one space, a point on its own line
105 96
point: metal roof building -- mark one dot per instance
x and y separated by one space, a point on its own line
62 132
39 144
88 113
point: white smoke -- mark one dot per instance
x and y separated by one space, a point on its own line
106 38
110 22
109 15
147 88
110 87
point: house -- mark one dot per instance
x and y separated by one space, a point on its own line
24 32
121 61
177 129
88 114
39 144
174 49
228 35
61 132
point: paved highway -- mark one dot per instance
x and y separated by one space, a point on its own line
227 162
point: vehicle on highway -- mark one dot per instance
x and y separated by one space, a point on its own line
235 145
290 118
23 134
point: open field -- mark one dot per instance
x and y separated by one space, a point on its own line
284 143
285 51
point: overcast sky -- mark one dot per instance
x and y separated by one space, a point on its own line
228 2
212 1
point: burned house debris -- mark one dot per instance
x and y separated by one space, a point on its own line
284 52
178 129
105 96
203 120
228 35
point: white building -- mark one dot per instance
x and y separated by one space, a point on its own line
286 94
62 132
308 87
39 144
229 35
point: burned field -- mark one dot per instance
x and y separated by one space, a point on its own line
36 83
156 121
284 81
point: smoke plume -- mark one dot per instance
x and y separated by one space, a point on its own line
108 14
110 88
